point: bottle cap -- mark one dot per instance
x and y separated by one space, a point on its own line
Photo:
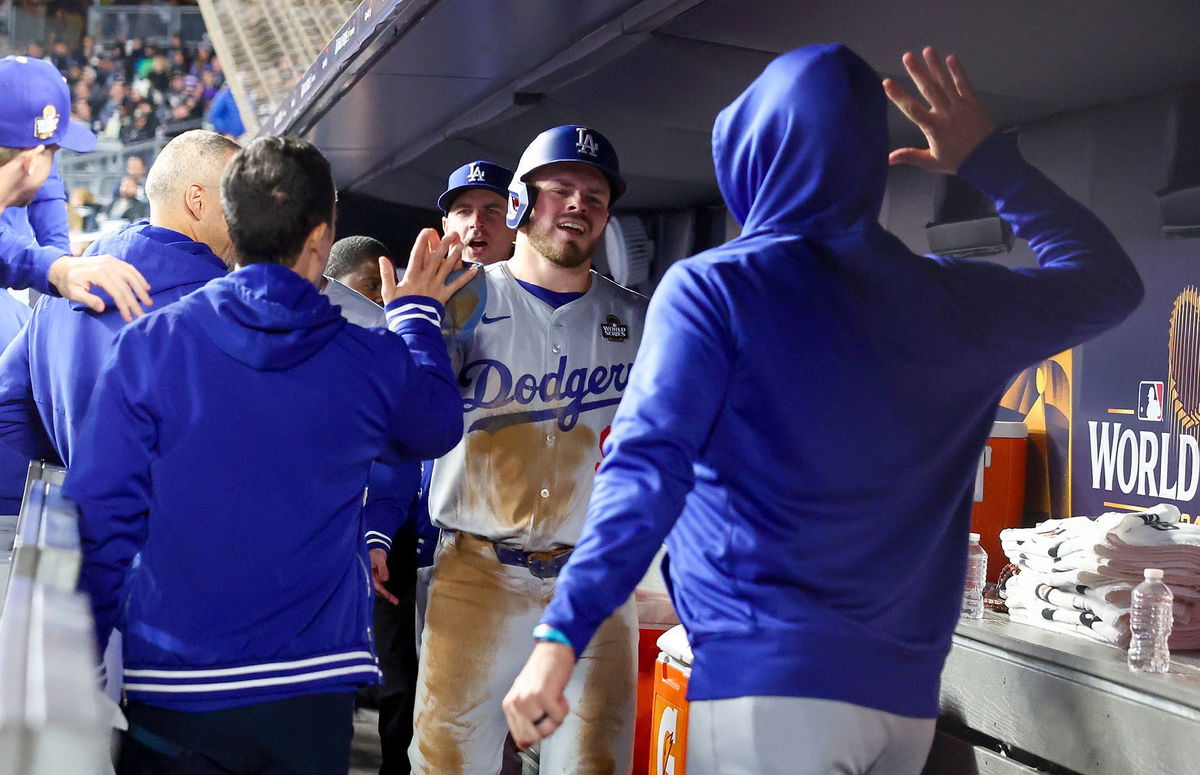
974 538
1153 574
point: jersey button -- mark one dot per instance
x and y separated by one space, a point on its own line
556 349
545 493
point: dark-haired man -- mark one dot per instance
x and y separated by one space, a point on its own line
215 420
354 265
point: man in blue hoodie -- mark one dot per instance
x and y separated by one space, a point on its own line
817 550
219 475
48 372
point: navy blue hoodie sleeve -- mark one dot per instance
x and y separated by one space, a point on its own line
1085 282
24 263
391 490
660 427
109 478
428 422
21 426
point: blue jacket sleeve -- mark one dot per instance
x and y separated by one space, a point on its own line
659 430
418 516
109 480
26 264
391 490
1084 284
21 426
48 213
427 422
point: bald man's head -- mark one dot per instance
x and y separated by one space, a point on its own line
184 188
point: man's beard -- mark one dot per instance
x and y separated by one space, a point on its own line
568 255
24 200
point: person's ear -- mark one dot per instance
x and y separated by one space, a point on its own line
320 239
29 157
193 200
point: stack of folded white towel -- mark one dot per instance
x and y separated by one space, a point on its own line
1078 574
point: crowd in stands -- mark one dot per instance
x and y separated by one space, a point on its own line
130 91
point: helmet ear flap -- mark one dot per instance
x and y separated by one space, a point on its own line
520 201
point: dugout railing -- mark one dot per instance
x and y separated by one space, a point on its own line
52 718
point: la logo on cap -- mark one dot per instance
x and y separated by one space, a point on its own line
46 125
475 175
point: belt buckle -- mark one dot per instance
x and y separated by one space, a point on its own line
541 565
547 565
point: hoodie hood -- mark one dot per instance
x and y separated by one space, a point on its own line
804 148
166 258
265 316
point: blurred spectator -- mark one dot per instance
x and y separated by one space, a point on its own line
160 75
81 111
127 205
61 57
202 62
142 127
179 60
212 84
118 95
84 210
135 168
106 69
87 50
35 50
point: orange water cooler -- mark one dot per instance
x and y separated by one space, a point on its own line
668 733
1000 490
656 616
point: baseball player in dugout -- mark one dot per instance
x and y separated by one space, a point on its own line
474 208
542 358
818 550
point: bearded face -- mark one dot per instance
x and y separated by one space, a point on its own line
569 215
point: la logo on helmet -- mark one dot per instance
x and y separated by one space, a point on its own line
585 142
475 174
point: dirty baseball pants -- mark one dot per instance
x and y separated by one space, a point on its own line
803 736
477 638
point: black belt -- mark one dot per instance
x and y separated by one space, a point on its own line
543 565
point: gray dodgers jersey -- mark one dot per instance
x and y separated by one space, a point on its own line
540 387
356 308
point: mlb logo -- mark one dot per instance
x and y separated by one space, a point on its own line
1150 398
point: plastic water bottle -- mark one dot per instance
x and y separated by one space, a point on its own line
972 605
1150 621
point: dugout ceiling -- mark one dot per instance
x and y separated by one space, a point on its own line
410 89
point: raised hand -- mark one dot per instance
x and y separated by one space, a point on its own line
954 123
429 264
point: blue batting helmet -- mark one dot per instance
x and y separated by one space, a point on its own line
561 144
476 174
